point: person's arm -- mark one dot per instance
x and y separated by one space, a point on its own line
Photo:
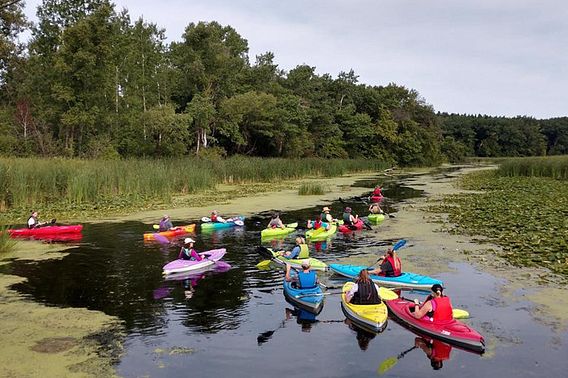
310 224
196 255
281 224
220 219
349 295
180 255
288 278
295 252
419 312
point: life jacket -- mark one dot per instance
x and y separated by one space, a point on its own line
394 271
307 280
186 254
304 251
34 224
347 219
440 351
317 224
443 309
366 294
162 226
213 217
377 192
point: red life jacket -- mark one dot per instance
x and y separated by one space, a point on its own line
213 217
443 309
440 350
317 224
396 268
377 192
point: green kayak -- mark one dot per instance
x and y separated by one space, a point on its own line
315 264
268 232
321 233
376 218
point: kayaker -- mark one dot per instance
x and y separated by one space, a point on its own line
436 351
437 306
165 224
275 222
187 252
305 279
318 223
348 218
215 217
374 208
300 251
390 265
33 221
326 216
364 291
378 191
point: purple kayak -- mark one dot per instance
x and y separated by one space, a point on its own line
209 258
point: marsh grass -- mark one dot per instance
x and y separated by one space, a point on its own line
555 167
32 183
310 189
7 244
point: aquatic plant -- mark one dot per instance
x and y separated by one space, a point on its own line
7 244
550 166
527 216
311 188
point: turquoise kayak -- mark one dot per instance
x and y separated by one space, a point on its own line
406 279
308 299
232 222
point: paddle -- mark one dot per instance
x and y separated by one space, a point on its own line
456 312
389 363
265 336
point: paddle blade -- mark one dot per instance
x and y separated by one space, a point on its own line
263 251
460 314
206 220
292 225
387 294
53 221
161 239
155 227
399 244
386 365
263 265
239 222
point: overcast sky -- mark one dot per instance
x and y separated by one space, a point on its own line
497 57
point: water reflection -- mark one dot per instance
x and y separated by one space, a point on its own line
363 337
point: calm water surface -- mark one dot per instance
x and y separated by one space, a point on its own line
236 322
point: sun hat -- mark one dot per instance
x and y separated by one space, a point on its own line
306 263
347 209
325 208
188 240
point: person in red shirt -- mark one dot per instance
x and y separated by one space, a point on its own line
437 306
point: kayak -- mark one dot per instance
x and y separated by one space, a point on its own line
268 232
47 230
217 225
370 317
357 226
69 237
307 299
376 218
180 265
450 331
219 267
315 264
180 230
406 279
377 198
321 235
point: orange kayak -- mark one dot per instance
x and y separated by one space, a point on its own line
181 230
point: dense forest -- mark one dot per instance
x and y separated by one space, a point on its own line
90 82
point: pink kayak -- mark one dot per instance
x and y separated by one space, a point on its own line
377 198
357 226
47 230
450 331
180 265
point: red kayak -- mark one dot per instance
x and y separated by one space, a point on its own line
377 198
47 230
450 331
357 226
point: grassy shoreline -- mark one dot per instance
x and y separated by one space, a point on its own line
74 189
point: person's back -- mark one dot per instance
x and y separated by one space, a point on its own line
307 279
391 267
366 293
442 309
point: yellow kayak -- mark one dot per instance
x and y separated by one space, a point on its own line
370 317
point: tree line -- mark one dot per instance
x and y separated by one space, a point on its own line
90 82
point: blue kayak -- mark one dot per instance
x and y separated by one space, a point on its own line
406 279
218 225
307 299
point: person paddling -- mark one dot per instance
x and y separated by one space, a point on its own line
378 191
165 224
305 279
390 265
275 222
318 223
374 208
187 252
326 215
437 306
215 217
348 218
33 221
300 251
364 291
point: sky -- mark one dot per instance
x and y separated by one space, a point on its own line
495 57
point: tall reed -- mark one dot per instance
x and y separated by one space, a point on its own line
32 182
7 244
311 188
551 166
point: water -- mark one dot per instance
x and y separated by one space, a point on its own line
236 323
